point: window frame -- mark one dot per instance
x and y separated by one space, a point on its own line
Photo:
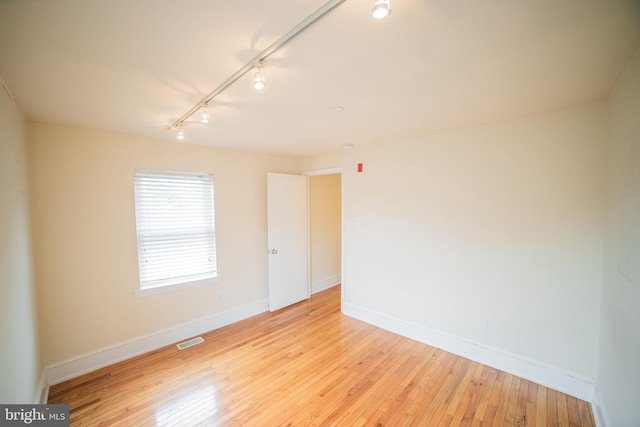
142 221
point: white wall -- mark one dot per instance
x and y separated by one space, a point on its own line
85 240
19 352
619 355
325 213
501 224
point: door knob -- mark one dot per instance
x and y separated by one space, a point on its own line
274 251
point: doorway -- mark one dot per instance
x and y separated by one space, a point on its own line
325 229
306 210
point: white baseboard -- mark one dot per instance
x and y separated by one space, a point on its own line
321 285
540 373
42 390
599 411
105 356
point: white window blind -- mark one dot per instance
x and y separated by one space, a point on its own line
175 227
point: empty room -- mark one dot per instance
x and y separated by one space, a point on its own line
312 212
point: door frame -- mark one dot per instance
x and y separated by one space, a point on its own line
331 171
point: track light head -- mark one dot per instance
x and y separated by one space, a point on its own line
204 113
177 125
381 8
258 78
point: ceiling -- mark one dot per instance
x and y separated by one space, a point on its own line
132 66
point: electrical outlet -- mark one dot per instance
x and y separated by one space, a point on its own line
220 297
483 327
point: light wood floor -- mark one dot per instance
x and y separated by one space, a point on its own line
310 365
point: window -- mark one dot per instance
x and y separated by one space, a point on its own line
175 228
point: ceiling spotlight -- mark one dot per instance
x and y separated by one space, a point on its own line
204 113
180 133
381 8
258 78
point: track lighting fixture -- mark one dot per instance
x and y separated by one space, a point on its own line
256 64
381 8
204 113
258 79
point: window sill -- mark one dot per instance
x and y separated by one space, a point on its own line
177 286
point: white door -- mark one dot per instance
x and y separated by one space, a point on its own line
287 223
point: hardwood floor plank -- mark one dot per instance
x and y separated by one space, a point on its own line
492 405
458 405
412 386
541 407
552 408
572 410
520 417
563 414
586 415
438 405
378 402
512 403
420 396
503 402
480 409
532 399
310 365
468 403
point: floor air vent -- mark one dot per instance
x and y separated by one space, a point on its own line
190 343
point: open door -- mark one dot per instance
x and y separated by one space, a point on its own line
287 224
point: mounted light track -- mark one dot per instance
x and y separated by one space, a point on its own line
307 23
